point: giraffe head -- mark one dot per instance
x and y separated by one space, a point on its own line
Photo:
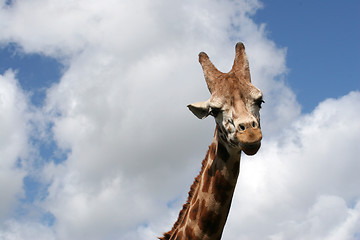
234 103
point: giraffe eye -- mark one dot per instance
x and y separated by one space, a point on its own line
259 101
214 111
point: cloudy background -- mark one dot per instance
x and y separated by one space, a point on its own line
96 141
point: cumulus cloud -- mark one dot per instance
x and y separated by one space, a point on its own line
133 148
13 142
305 185
14 230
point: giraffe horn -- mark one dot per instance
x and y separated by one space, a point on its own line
210 71
241 64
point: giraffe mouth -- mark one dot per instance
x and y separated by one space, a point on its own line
250 148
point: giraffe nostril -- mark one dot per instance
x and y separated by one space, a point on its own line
242 127
254 124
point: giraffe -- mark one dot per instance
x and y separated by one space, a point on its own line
235 104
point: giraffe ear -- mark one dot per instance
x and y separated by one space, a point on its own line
200 109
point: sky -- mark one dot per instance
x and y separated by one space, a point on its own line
97 143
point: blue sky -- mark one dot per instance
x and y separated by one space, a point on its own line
321 37
80 126
35 72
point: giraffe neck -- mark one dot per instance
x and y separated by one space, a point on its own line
204 214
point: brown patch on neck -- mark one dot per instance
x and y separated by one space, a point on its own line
219 162
236 169
190 233
221 188
210 221
222 152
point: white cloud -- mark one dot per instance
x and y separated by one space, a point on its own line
13 142
14 230
120 108
303 186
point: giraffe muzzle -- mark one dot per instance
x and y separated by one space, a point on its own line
250 140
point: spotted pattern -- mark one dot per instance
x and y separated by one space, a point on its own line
209 221
232 103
